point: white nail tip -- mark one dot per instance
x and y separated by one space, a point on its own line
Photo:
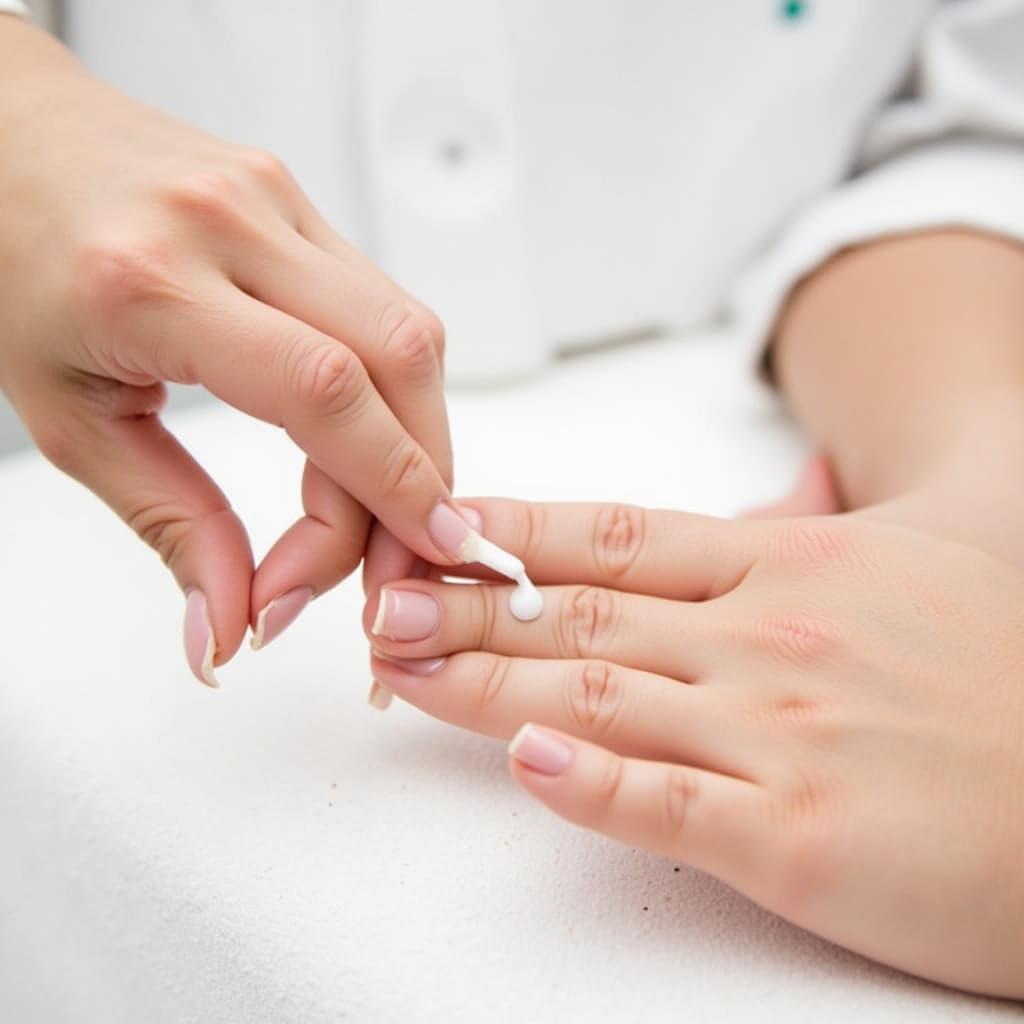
207 667
517 741
379 697
378 621
261 624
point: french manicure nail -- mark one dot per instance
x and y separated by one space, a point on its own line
449 531
406 615
472 517
540 750
414 666
379 697
277 616
200 644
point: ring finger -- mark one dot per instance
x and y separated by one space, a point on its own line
635 713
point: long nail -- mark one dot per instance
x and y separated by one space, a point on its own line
540 750
414 666
449 531
277 616
406 615
200 643
379 696
453 535
475 520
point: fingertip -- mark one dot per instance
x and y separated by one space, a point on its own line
542 751
200 643
215 571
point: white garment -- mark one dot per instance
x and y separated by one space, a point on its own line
551 172
12 7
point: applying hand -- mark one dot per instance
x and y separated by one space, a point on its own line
135 250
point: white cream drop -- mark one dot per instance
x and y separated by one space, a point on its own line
526 602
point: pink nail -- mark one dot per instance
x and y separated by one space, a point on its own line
540 750
472 517
448 530
200 645
273 620
414 666
406 615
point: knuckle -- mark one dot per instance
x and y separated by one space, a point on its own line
810 543
533 526
679 795
797 639
207 197
406 342
161 527
595 697
608 786
329 381
436 330
492 683
587 621
486 613
809 848
111 275
403 469
618 539
265 167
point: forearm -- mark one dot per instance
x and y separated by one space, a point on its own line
904 360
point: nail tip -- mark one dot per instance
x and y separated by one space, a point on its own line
379 697
378 619
520 737
256 641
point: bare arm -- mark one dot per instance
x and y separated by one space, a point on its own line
904 359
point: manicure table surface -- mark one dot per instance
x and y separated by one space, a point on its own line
278 851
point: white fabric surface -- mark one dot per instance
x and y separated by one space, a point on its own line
12 7
552 141
947 154
278 852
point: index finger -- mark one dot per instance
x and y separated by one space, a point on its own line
662 553
279 369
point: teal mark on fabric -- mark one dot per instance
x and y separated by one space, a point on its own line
793 10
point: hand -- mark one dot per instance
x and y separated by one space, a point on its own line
137 250
827 714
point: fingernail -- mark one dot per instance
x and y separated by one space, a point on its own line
414 666
540 750
379 697
473 518
406 615
200 645
273 620
449 531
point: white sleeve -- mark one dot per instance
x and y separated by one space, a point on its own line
951 153
12 7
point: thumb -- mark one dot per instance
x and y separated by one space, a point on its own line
141 471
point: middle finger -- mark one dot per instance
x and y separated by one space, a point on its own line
417 618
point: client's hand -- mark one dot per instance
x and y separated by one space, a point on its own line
828 714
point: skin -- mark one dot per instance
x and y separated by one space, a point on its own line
825 713
904 362
137 250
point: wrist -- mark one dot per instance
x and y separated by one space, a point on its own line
970 489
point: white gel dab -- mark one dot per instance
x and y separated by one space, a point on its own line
526 602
